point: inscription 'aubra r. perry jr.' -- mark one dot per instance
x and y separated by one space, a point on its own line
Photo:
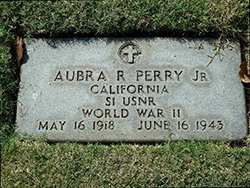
140 75
147 76
140 90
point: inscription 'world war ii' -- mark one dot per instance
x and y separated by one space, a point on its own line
110 90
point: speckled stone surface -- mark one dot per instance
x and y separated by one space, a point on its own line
131 90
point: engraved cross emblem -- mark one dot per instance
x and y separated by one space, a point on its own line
130 53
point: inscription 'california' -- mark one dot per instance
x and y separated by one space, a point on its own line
134 90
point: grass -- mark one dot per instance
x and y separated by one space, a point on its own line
27 162
126 17
34 163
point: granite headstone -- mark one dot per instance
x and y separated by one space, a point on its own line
131 90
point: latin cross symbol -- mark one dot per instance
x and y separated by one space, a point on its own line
130 52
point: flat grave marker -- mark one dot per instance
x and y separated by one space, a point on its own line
131 90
